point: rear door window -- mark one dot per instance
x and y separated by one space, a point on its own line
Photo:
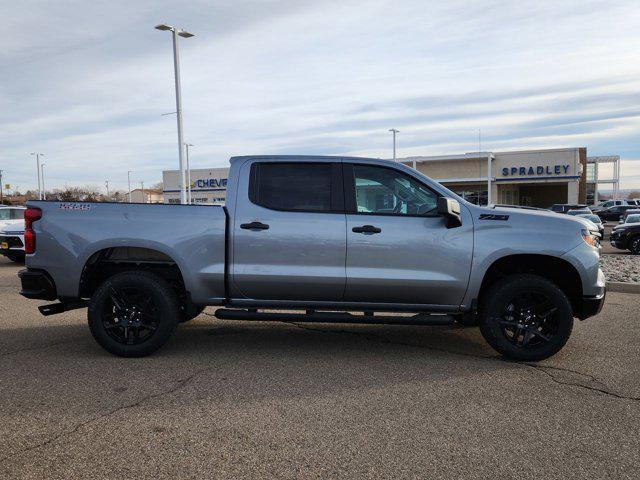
297 186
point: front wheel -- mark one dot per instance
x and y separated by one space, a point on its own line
634 246
132 314
526 317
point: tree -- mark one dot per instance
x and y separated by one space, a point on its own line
118 196
30 195
75 194
633 194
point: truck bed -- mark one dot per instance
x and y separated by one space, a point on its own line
70 235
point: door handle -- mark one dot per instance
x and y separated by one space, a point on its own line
254 226
366 229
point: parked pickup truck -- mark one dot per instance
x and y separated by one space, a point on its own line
334 239
626 237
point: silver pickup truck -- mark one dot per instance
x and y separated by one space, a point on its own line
326 239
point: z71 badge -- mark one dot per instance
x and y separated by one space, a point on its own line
493 216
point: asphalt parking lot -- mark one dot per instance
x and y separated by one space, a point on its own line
277 400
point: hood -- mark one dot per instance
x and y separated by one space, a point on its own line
625 225
8 223
546 218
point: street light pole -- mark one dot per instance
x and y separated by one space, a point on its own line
106 184
187 145
176 67
38 155
44 192
142 188
129 183
394 131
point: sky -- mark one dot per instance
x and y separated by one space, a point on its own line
86 83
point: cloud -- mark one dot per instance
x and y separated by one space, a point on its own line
311 77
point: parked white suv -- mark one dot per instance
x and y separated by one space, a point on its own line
12 233
11 215
12 242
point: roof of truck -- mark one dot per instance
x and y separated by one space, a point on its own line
303 157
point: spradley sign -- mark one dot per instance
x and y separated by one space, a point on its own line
539 170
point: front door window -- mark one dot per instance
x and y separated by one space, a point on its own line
385 191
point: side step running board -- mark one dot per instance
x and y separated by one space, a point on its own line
335 317
60 307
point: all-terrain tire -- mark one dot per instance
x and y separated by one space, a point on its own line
159 301
500 300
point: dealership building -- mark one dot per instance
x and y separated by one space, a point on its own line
536 178
208 186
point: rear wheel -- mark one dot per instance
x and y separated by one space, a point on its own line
132 314
634 246
526 317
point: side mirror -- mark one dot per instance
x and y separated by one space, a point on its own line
450 209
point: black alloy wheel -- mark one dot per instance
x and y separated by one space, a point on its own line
526 317
634 245
529 319
129 317
132 314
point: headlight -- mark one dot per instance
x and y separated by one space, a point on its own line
590 238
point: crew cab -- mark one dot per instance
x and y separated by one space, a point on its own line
328 239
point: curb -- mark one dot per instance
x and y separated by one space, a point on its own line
623 287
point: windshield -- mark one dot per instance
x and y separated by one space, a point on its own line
635 218
578 211
593 218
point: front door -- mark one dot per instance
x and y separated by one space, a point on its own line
289 232
399 250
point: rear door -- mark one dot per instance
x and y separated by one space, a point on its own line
399 249
289 231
